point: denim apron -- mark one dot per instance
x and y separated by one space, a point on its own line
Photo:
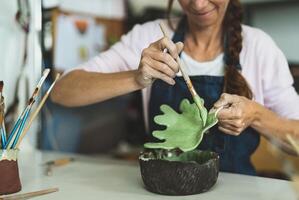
234 151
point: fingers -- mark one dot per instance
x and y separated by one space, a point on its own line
179 46
158 70
229 131
162 67
166 59
236 114
226 100
234 123
232 127
166 43
156 63
230 113
157 74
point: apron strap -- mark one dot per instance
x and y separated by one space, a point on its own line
179 36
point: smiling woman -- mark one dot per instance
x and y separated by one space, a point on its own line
205 13
231 65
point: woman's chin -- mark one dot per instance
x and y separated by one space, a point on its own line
207 20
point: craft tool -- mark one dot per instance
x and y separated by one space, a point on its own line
40 83
294 143
36 112
20 130
287 166
20 123
2 134
2 121
56 163
15 128
196 98
29 194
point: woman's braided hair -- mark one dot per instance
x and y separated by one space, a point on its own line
234 82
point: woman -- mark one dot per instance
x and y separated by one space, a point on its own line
230 64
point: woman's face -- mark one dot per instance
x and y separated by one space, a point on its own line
204 13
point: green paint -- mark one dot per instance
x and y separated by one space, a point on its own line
203 111
184 130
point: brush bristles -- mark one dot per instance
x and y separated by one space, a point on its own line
43 100
1 86
14 136
31 101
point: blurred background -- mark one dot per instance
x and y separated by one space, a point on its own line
61 34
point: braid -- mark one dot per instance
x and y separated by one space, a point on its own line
234 82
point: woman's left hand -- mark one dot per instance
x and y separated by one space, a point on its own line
237 114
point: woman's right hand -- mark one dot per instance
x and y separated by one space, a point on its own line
156 63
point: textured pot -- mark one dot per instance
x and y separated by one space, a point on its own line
9 172
189 173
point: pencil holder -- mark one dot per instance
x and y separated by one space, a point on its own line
9 172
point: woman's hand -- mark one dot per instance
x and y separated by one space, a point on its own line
155 63
237 114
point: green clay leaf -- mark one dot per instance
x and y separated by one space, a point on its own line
184 130
203 111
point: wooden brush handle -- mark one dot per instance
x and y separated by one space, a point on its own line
294 143
39 107
197 100
181 66
29 194
60 162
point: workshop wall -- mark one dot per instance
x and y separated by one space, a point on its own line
11 56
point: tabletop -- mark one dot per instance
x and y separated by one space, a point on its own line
106 178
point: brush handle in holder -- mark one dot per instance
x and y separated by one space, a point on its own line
9 172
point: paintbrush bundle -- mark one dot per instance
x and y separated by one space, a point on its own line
9 178
24 121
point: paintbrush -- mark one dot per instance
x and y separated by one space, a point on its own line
40 83
29 194
36 112
56 163
198 101
12 143
1 102
19 125
294 143
287 167
2 123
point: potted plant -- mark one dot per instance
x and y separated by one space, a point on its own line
174 166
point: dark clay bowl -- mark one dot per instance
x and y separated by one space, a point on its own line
189 173
9 177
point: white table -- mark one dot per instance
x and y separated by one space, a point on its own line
104 178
